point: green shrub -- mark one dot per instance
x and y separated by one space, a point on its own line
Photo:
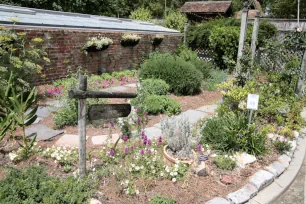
162 200
155 86
192 57
266 31
225 163
154 104
182 76
216 77
175 20
230 133
282 146
142 14
124 73
33 185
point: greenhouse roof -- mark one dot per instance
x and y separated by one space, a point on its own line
29 17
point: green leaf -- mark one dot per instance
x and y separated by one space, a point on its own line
31 120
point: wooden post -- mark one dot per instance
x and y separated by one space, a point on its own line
82 127
185 33
299 85
243 29
254 39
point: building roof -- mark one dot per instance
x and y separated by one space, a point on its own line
29 17
206 7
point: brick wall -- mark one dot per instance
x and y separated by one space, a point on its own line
64 50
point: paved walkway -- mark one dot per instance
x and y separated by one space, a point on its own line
296 192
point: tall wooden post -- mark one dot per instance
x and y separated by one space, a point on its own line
254 39
243 29
82 126
299 85
185 33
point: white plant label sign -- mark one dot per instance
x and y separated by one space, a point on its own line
253 100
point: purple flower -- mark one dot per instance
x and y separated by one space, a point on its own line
111 152
132 148
142 152
199 148
145 140
149 142
160 140
111 123
126 150
149 152
125 138
138 121
146 115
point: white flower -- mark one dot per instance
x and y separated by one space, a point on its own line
214 155
12 156
161 174
137 192
299 30
137 168
126 182
94 160
94 169
226 156
208 151
174 180
175 173
141 167
152 167
171 173
130 169
153 171
167 170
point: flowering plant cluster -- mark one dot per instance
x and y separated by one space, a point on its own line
53 91
133 37
98 43
62 155
157 39
19 155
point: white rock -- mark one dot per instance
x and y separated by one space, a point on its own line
293 147
261 179
94 201
296 134
243 159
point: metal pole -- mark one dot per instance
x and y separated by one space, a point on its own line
82 127
254 40
298 13
165 8
250 118
185 32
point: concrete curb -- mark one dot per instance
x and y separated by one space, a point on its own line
283 182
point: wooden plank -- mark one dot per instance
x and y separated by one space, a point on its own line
79 94
107 111
82 127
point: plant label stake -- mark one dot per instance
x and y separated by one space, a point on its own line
98 111
252 104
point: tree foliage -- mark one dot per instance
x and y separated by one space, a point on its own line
286 8
175 20
142 14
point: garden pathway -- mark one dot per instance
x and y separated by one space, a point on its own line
45 133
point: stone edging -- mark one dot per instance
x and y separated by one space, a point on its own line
265 186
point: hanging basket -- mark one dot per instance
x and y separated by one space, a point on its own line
94 48
129 42
156 41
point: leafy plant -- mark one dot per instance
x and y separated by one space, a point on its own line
33 185
142 14
155 104
175 20
155 86
282 146
130 39
223 162
230 133
177 132
98 43
182 76
215 77
162 200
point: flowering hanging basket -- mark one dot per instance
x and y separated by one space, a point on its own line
96 49
130 40
171 161
157 39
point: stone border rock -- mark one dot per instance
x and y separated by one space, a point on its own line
265 186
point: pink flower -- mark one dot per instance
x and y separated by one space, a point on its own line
138 121
149 152
132 148
126 150
142 152
299 30
149 142
160 140
199 148
111 123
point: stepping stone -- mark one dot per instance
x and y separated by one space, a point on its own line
153 132
42 112
218 200
261 179
193 116
209 108
116 89
285 160
68 141
242 195
43 132
53 105
102 139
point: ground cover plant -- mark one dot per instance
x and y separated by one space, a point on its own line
33 185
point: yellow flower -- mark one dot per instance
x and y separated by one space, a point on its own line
22 34
38 40
46 59
15 20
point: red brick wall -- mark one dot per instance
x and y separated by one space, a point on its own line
64 50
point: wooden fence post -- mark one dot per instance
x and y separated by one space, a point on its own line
301 80
82 126
254 39
243 29
185 33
